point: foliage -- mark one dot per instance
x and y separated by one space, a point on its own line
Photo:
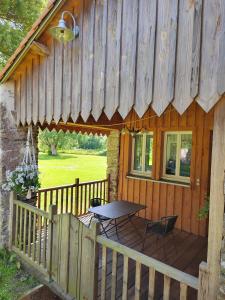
204 211
16 18
64 168
14 281
23 179
69 141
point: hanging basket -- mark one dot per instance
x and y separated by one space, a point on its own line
24 180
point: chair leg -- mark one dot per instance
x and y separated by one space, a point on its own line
103 230
116 230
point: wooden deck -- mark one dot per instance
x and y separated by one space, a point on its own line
181 250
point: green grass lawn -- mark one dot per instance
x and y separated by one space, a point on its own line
64 168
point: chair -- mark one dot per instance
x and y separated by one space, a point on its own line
161 228
97 202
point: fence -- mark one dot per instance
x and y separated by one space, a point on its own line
70 254
152 266
74 198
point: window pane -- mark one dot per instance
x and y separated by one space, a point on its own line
171 153
185 155
138 140
148 153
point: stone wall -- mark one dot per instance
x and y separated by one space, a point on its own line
221 294
12 144
113 146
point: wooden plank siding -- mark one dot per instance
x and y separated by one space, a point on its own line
129 54
165 199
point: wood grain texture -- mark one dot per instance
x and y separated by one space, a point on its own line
88 58
165 55
165 199
211 34
113 56
128 56
145 55
101 11
182 96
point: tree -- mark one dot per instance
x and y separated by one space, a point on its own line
16 19
51 140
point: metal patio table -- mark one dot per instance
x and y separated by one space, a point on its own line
114 211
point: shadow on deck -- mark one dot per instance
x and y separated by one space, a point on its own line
181 250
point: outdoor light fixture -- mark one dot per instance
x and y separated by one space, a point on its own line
63 33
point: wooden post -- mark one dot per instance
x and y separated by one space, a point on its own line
216 210
52 212
203 282
12 219
108 178
77 181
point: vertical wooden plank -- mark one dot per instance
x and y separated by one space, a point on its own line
39 242
216 208
128 56
113 56
100 58
24 230
166 288
35 89
17 223
104 273
89 261
196 45
29 92
165 55
125 277
151 284
182 96
114 275
211 33
66 85
137 281
34 237
18 99
183 291
23 100
221 76
29 233
88 58
76 68
42 89
50 79
145 55
21 228
58 81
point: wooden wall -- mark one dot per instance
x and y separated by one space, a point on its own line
165 199
130 53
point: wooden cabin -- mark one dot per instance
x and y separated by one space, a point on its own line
150 75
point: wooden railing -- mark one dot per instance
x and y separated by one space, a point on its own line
154 266
74 198
31 234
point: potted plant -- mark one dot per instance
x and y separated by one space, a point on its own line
24 181
204 210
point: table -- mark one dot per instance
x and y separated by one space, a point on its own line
115 210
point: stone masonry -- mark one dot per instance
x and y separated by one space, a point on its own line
113 162
12 143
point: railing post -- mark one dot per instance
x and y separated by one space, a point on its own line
203 284
108 179
77 181
12 220
52 213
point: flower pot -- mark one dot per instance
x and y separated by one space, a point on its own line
31 201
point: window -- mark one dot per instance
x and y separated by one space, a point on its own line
142 154
177 155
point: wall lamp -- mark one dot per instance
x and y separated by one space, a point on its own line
62 32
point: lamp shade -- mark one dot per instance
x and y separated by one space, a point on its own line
62 33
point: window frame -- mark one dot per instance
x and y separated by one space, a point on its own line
143 172
175 177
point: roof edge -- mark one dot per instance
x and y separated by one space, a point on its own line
36 30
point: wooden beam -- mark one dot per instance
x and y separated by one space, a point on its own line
216 211
39 49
